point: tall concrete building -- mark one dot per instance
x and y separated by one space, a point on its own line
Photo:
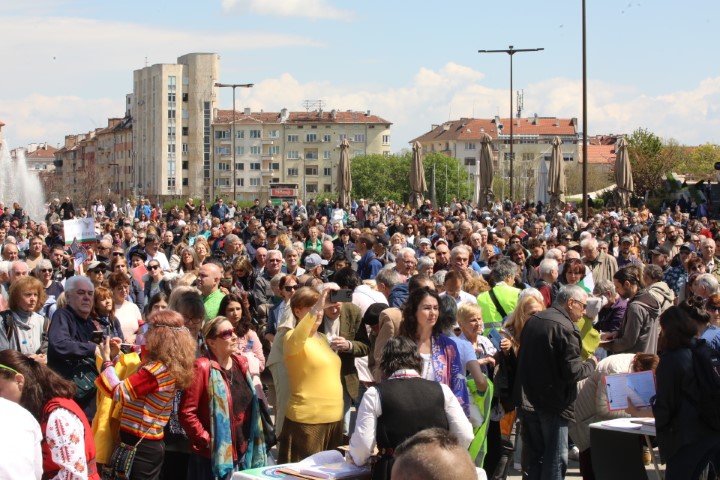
172 108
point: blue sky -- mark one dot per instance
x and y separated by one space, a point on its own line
67 64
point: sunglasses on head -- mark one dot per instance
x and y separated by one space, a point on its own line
225 334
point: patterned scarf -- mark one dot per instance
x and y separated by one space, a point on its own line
256 454
221 435
448 370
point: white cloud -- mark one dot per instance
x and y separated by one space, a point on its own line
319 9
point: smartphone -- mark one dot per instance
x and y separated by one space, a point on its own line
341 296
97 336
495 338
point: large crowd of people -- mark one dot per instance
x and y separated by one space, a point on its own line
208 339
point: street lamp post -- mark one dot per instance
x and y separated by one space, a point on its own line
234 86
584 113
511 51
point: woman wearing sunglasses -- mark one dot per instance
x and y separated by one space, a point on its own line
154 282
220 411
237 310
713 308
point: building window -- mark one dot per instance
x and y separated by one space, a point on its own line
255 133
327 171
470 146
239 150
292 172
222 150
254 182
527 157
222 134
171 182
171 113
293 138
185 182
275 166
239 166
311 137
223 167
327 188
185 165
255 150
568 158
293 155
254 165
185 148
313 170
274 150
327 154
273 133
185 131
386 139
184 99
239 133
327 138
469 162
240 182
222 182
171 148
359 137
311 188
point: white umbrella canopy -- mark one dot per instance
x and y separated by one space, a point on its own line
623 173
417 177
556 175
344 179
485 172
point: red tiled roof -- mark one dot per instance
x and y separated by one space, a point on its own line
601 154
474 128
42 152
224 116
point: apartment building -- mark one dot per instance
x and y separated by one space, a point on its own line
532 143
300 148
172 107
114 157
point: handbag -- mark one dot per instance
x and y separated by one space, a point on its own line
121 461
84 374
267 425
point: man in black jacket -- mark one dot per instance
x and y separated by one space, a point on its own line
549 367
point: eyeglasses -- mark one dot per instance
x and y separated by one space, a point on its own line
46 270
584 305
290 288
153 267
225 334
713 308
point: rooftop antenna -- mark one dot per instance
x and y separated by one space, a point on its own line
146 62
313 104
520 95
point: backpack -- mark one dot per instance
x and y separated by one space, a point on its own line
706 367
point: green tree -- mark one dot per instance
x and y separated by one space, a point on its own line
700 160
386 177
651 160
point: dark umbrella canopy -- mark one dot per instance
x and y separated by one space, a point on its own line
485 173
417 177
556 175
344 179
623 173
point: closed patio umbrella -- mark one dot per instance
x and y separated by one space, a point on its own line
344 179
417 177
485 172
623 173
556 175
541 190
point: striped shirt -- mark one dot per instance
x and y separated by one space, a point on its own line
146 398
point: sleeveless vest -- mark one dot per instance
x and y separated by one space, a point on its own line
409 405
50 468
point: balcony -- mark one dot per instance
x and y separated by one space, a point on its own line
268 140
267 157
266 172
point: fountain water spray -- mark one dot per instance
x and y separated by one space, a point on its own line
17 184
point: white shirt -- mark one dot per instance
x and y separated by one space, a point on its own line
362 442
161 259
20 453
364 296
462 297
65 434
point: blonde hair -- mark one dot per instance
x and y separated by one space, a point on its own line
466 311
517 319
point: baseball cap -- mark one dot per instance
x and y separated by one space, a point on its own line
313 260
425 241
626 240
97 266
660 250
